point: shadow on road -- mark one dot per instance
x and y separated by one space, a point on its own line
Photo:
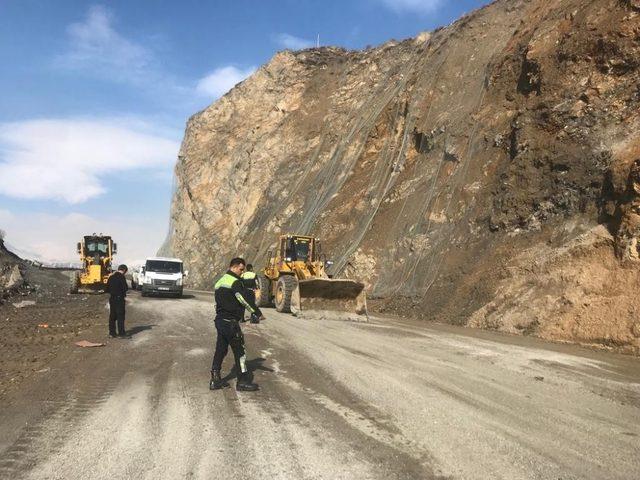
140 328
252 365
185 296
160 296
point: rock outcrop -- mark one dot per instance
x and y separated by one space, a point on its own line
11 279
484 174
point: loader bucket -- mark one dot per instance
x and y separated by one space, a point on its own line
329 294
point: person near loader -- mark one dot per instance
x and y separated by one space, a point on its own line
250 285
230 296
117 288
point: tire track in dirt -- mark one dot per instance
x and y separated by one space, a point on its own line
44 438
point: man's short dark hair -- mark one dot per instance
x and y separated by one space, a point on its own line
237 261
249 267
123 267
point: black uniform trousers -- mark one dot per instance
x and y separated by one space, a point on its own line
229 335
116 315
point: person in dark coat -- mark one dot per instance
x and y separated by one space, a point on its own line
250 286
117 289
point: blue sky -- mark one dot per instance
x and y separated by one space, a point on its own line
96 96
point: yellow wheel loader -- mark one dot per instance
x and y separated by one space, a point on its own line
96 254
295 279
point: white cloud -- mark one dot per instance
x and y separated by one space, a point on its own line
52 238
415 6
222 79
67 159
5 218
291 42
96 48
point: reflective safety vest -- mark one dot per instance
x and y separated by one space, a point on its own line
249 280
230 301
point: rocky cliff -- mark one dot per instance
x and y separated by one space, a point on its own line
487 173
11 279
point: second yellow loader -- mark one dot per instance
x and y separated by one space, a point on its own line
294 279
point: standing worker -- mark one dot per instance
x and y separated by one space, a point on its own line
250 285
231 301
117 288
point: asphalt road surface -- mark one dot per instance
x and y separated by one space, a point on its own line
339 399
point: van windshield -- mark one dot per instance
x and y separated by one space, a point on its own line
163 266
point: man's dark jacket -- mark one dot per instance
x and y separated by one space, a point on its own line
117 285
231 298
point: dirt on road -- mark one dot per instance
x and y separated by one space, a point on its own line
40 320
338 399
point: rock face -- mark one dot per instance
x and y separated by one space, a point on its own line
11 279
486 173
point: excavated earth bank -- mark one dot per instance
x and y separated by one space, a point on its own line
486 174
39 319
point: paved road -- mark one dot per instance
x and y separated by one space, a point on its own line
339 399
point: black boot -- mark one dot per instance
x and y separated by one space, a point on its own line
243 384
216 382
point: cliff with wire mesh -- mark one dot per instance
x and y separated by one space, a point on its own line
481 174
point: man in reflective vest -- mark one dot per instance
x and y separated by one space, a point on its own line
231 301
250 285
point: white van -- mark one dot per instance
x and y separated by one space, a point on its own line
137 277
163 276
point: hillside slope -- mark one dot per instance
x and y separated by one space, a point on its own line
487 173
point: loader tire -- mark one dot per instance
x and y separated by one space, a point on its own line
264 298
74 283
284 289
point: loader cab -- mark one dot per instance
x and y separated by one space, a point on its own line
296 249
97 248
